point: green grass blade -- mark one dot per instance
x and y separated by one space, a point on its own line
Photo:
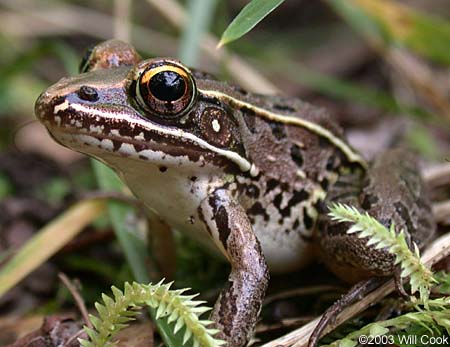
248 18
391 24
200 13
133 247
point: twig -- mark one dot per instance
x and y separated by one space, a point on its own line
441 211
77 297
438 250
28 20
425 82
122 19
300 292
438 175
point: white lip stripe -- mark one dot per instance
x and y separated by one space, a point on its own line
243 163
351 155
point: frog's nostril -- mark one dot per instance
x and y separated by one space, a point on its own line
87 93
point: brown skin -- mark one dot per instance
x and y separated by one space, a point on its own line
250 173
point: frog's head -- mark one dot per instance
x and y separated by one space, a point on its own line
143 110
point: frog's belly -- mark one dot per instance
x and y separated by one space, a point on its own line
285 252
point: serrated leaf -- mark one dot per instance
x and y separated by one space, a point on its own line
180 323
91 333
378 330
187 336
247 19
347 343
96 322
108 301
85 343
116 292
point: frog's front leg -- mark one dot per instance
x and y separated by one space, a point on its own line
237 308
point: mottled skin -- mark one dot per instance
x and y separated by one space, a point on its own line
245 174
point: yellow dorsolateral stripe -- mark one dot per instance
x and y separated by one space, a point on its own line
351 155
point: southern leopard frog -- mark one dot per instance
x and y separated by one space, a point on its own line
246 174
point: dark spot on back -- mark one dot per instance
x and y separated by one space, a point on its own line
249 119
402 210
307 220
297 197
252 191
163 168
296 224
256 209
296 155
330 163
278 130
271 184
369 200
324 184
277 200
323 142
283 107
194 178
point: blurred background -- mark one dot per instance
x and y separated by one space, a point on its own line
380 67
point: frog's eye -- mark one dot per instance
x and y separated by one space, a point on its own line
165 88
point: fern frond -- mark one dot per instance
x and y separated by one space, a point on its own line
115 313
430 320
421 278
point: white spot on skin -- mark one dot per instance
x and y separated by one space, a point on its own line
215 125
96 129
301 174
115 132
127 149
58 120
107 144
61 107
254 171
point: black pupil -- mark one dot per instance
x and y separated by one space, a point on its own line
167 86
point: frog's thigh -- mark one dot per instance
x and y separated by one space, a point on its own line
392 192
237 308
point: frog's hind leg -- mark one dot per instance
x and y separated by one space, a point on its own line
392 192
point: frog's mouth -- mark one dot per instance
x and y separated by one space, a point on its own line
99 130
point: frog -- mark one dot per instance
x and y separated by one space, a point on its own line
246 175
